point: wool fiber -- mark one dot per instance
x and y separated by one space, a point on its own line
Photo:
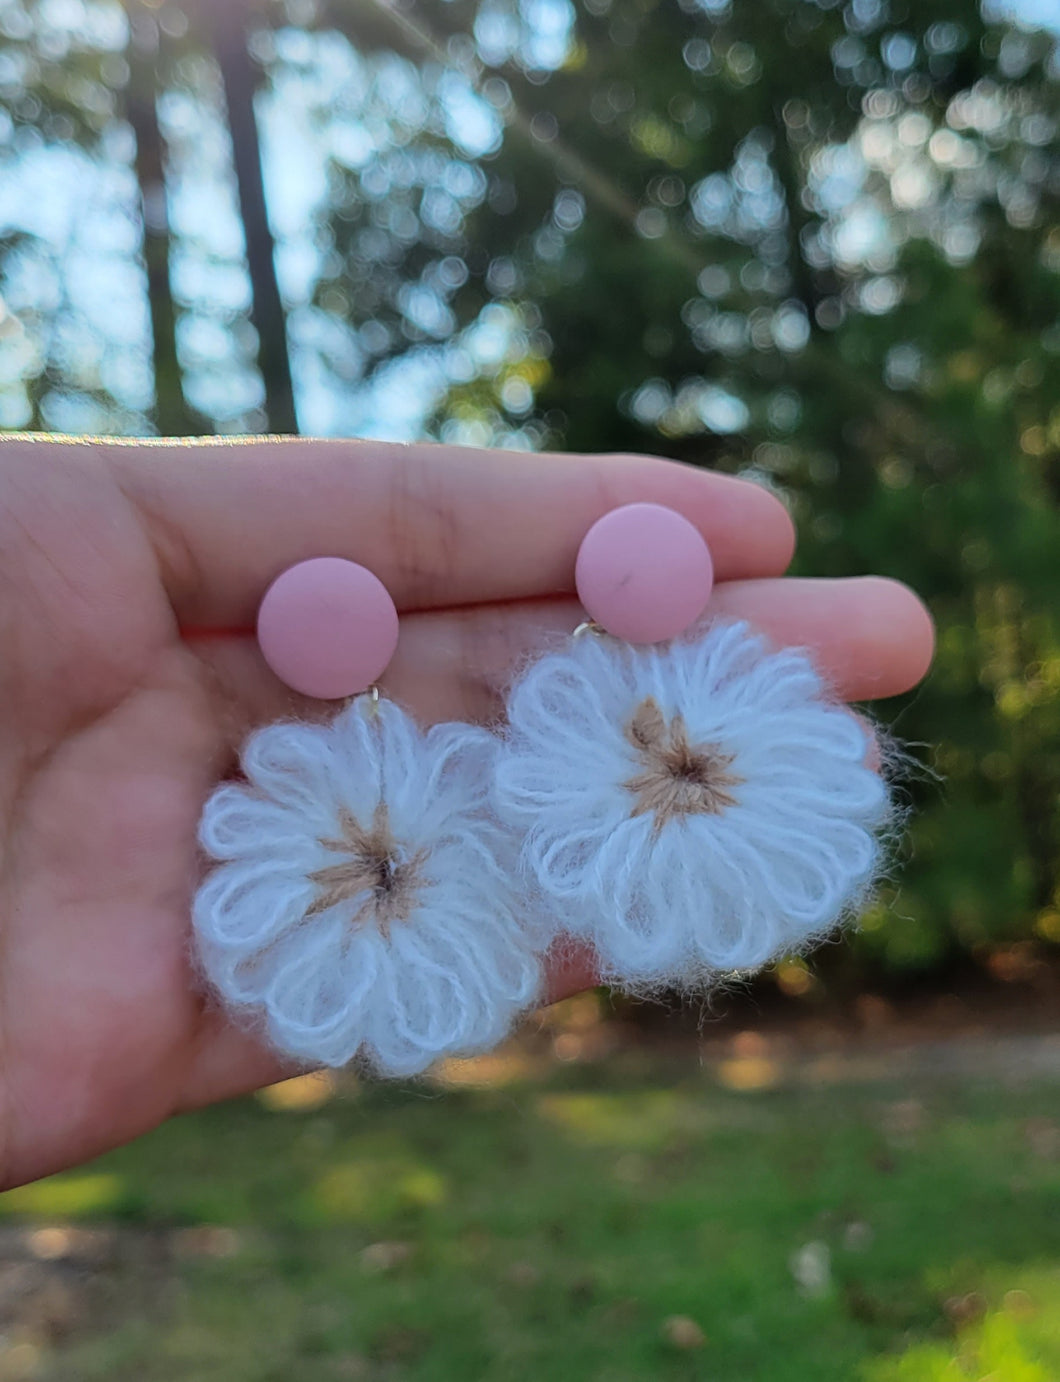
690 809
363 903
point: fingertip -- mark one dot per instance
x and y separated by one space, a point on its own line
900 618
870 636
779 525
570 967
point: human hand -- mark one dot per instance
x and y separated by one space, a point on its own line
129 580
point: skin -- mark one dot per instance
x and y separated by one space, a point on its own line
129 580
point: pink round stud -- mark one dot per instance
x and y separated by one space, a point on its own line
328 628
644 573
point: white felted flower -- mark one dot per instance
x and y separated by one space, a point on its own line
697 807
364 898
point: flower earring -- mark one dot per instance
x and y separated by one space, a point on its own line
689 801
363 902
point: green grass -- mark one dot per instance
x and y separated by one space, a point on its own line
548 1230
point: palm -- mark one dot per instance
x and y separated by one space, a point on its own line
115 722
114 730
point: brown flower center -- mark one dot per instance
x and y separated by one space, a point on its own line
371 863
679 778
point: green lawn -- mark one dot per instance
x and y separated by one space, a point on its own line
551 1229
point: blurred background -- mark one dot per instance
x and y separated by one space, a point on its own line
809 241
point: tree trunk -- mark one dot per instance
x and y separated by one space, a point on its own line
226 23
172 415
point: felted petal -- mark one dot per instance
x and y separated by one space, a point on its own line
365 902
700 806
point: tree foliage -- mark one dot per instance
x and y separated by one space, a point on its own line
811 241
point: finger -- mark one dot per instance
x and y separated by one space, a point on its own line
571 968
870 638
229 1061
439 525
